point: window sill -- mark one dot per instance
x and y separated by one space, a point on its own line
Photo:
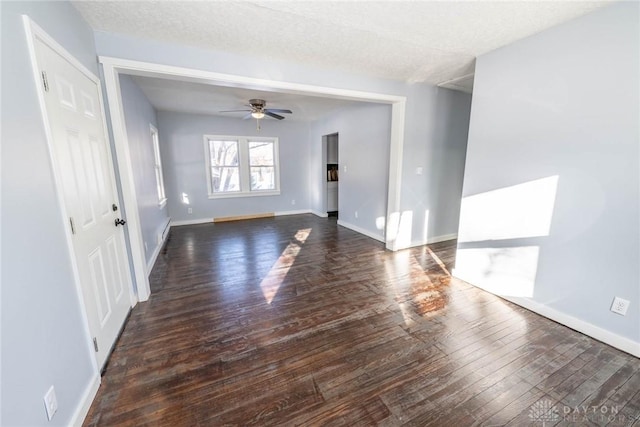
162 203
244 194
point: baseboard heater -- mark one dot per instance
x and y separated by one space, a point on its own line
243 217
163 235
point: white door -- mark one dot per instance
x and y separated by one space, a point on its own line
83 161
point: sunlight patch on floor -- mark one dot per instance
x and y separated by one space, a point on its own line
276 275
438 261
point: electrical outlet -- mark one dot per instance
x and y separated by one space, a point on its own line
50 402
620 306
356 214
419 170
189 210
293 202
344 168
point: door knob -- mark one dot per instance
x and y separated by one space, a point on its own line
120 222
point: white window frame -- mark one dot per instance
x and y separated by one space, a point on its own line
243 166
157 165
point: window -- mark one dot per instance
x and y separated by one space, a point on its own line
261 162
225 171
162 199
239 166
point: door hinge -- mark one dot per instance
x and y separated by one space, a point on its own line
45 82
73 227
95 344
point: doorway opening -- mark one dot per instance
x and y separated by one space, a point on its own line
332 165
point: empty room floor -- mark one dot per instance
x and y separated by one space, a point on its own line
297 321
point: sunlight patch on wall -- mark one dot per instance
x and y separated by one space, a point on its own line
502 271
425 230
523 210
491 252
185 198
394 224
400 227
272 282
404 230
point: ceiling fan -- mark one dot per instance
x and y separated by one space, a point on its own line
258 111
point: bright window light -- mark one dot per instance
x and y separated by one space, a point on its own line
242 166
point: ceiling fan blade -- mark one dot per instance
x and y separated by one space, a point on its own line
233 111
277 110
275 116
248 116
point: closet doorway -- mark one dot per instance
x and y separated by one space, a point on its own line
332 174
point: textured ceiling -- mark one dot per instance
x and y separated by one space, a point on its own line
196 98
414 41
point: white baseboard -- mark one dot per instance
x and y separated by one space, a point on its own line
191 222
431 240
320 214
360 230
157 250
443 238
85 403
614 340
298 212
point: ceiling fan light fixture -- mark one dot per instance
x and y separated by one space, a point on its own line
257 115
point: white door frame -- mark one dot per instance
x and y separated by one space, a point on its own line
113 67
33 33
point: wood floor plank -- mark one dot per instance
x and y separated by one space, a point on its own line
296 321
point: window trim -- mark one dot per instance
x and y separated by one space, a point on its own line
161 191
244 166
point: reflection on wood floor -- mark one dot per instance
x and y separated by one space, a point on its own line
297 321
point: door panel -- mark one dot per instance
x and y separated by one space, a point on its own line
99 285
116 270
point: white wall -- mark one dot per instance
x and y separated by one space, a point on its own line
182 148
139 115
421 125
44 341
551 188
363 149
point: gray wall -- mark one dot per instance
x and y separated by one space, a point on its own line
363 148
182 149
563 104
421 125
44 341
440 123
139 114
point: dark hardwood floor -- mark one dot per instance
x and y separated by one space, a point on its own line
297 321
